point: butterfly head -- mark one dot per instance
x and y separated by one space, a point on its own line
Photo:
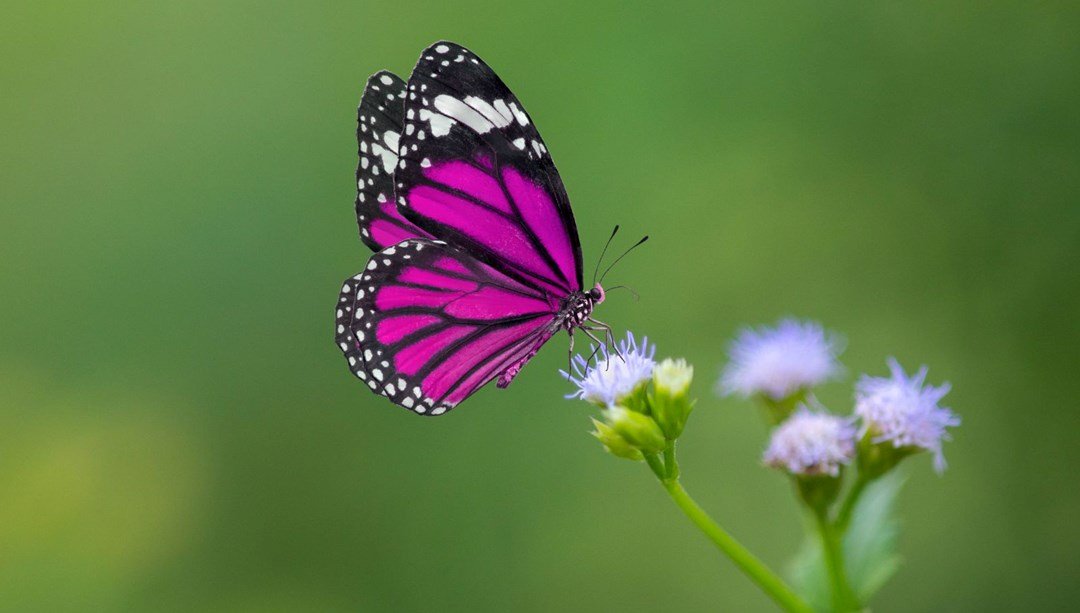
597 294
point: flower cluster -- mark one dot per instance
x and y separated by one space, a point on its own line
898 415
638 418
644 406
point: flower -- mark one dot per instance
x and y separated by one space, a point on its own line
778 362
811 443
613 377
903 412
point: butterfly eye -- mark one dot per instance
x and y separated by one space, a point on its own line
596 294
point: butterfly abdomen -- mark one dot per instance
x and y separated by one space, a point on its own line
508 375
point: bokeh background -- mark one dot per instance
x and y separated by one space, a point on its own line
178 431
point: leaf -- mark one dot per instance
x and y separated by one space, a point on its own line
870 557
807 571
871 539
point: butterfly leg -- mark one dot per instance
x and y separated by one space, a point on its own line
599 343
596 350
609 334
570 354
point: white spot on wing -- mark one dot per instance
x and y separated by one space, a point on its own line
440 124
489 112
442 49
519 114
458 110
387 150
386 80
500 106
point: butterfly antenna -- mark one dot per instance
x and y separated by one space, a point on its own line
606 245
625 287
634 246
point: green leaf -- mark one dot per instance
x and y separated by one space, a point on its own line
870 556
807 571
871 539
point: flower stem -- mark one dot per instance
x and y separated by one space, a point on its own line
843 516
754 568
670 463
655 465
843 598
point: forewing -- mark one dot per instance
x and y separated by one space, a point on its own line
430 325
379 121
473 171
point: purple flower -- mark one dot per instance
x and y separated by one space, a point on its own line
904 412
811 443
780 361
613 377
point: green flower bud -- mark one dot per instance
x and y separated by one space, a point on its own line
637 428
613 443
818 491
670 405
876 459
637 400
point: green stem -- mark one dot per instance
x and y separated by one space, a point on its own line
754 568
655 465
843 517
670 463
843 598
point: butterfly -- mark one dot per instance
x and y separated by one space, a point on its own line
477 260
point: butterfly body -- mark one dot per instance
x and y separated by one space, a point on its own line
478 262
578 307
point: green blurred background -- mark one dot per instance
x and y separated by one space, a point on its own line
178 431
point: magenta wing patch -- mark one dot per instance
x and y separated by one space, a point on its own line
379 120
431 325
473 171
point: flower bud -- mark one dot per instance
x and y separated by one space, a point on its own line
818 491
877 458
638 399
670 404
673 377
613 443
637 428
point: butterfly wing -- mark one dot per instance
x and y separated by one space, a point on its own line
379 120
473 171
427 324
